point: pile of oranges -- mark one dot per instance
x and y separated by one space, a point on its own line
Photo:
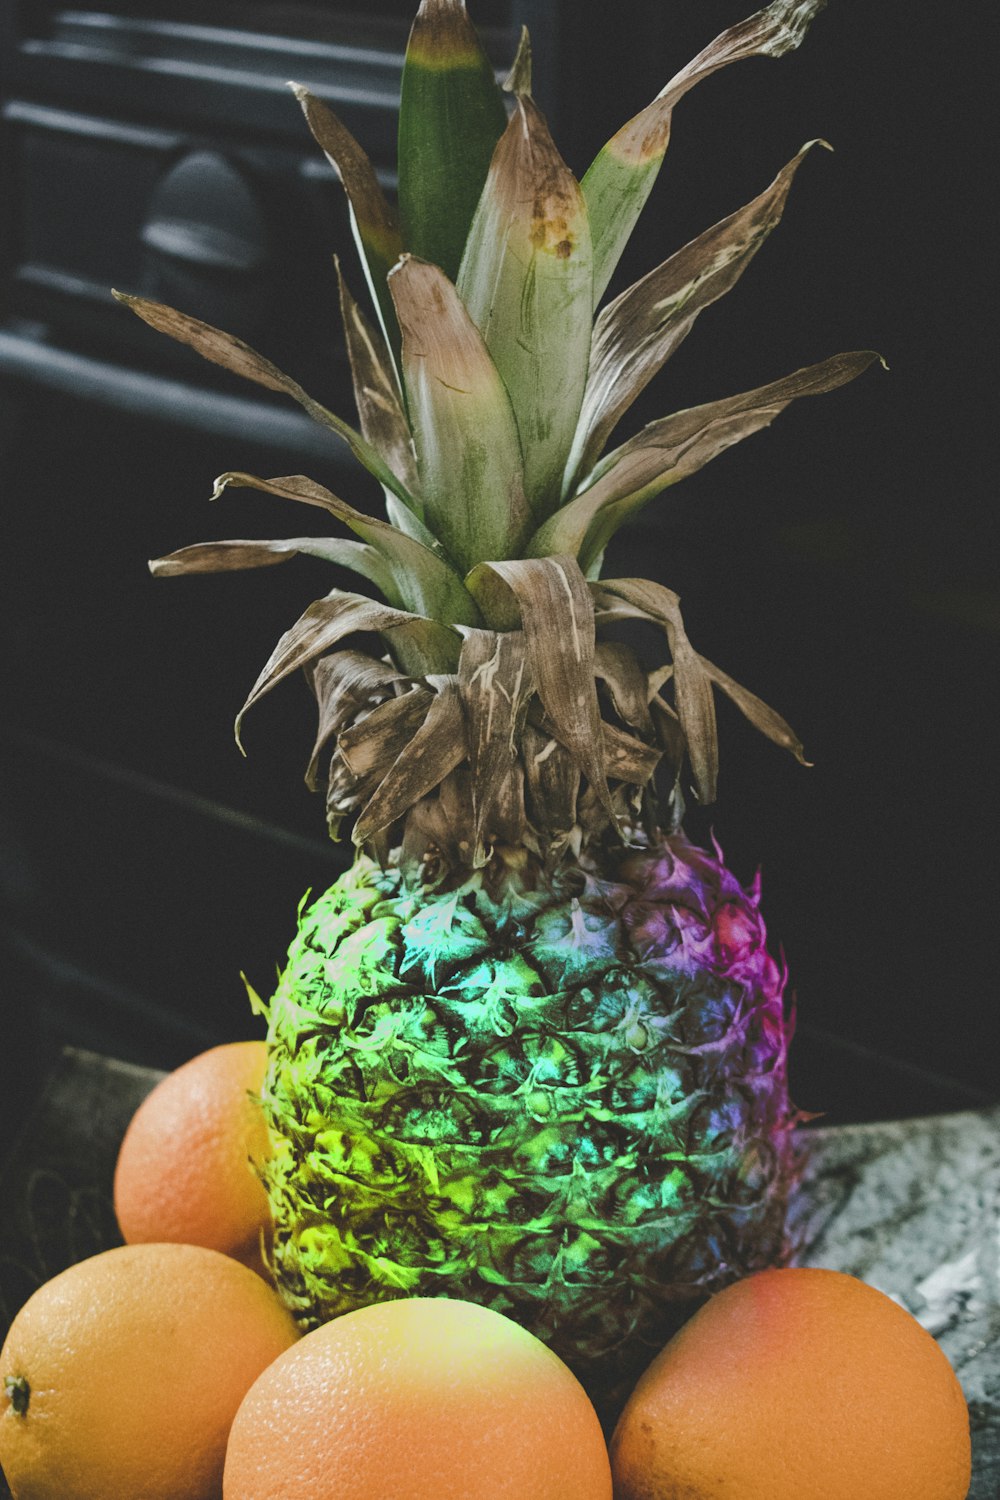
168 1369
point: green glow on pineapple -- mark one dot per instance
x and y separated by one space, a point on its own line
529 1105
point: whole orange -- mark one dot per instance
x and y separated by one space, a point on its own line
792 1384
120 1378
417 1399
186 1166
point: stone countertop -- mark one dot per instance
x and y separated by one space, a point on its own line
912 1207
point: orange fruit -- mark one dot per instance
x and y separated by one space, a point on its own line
424 1398
120 1378
792 1384
186 1166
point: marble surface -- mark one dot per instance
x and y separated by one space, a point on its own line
912 1207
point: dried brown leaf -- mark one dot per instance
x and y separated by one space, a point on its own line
438 746
667 451
761 716
327 621
347 684
376 389
618 667
692 685
422 580
626 758
638 332
496 684
234 355
557 616
370 748
552 778
622 175
373 222
240 554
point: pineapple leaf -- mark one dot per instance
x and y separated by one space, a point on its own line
693 699
417 644
617 666
376 390
667 451
760 715
232 556
421 580
627 758
237 357
518 80
621 177
366 752
368 747
404 520
552 778
451 115
496 684
552 600
347 684
468 455
438 746
526 279
373 222
637 333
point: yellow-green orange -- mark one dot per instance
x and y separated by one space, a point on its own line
793 1384
120 1378
427 1398
186 1166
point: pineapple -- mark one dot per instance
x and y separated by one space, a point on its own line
531 1049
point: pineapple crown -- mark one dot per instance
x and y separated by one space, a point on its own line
501 717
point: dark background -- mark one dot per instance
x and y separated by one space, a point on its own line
842 564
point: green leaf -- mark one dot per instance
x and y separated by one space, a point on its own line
526 278
621 177
422 581
551 597
418 645
669 450
373 222
451 115
638 332
234 355
468 455
234 556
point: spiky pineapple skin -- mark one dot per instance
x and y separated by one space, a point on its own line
570 1105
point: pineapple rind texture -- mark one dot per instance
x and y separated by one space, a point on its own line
570 1106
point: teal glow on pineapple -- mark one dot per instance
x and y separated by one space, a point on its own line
531 1049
